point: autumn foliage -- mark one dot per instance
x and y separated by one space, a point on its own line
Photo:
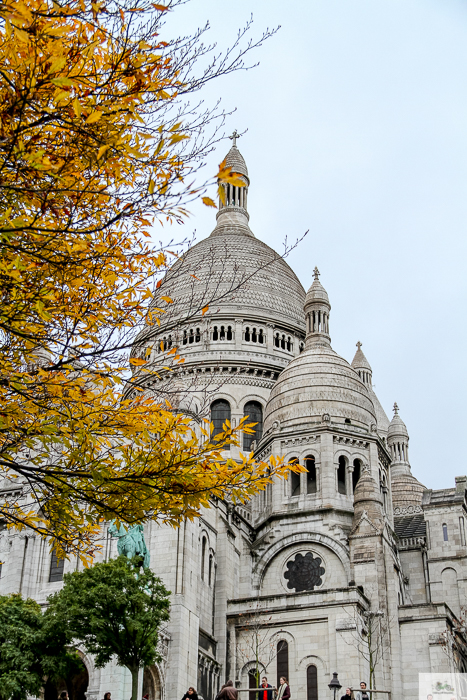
96 145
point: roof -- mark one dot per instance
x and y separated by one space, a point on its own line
410 526
359 361
236 161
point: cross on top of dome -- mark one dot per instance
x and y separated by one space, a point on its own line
316 274
359 345
396 409
234 137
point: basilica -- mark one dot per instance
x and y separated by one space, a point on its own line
352 566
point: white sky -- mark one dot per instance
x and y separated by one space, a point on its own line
357 132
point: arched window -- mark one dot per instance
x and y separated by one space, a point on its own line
312 683
445 532
247 334
341 487
254 337
185 337
203 557
229 333
211 559
357 470
215 334
295 480
56 568
222 333
282 661
197 336
311 486
192 336
252 683
254 411
283 342
277 340
289 344
260 336
220 412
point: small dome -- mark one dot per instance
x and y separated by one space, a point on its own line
367 497
316 292
317 383
406 491
359 361
235 160
397 427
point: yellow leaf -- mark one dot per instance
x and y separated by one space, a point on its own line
22 36
58 64
203 311
160 8
77 107
102 150
221 192
209 202
93 117
152 184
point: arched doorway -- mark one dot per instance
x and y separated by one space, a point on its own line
76 683
151 683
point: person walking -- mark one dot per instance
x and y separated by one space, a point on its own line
228 692
362 693
266 694
190 694
348 694
107 696
284 689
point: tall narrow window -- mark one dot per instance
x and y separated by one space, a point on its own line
462 530
56 568
341 488
312 683
357 470
220 412
198 335
282 661
215 334
310 465
210 570
445 532
254 411
295 481
247 334
203 557
229 333
252 683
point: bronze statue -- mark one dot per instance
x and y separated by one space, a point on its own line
131 542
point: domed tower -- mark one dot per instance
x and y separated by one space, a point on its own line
236 318
363 368
321 413
407 491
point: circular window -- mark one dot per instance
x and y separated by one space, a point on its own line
304 572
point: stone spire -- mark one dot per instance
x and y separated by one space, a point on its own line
317 308
233 211
406 489
362 366
368 500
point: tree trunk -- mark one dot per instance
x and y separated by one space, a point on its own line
134 683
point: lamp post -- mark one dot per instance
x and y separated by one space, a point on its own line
334 684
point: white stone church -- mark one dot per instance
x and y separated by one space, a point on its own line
309 565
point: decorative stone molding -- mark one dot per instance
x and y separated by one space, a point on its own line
407 510
306 440
353 442
326 418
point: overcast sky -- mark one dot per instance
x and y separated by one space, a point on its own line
357 132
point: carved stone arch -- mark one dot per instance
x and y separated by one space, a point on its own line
313 659
227 397
203 532
154 674
299 538
88 661
251 397
342 452
310 451
251 666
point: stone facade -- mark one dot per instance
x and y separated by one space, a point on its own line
307 564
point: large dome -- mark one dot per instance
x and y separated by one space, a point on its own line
234 272
317 385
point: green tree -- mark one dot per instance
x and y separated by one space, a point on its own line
114 610
31 648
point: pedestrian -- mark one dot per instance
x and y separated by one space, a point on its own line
228 692
284 689
348 694
190 694
107 696
266 694
63 695
362 693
